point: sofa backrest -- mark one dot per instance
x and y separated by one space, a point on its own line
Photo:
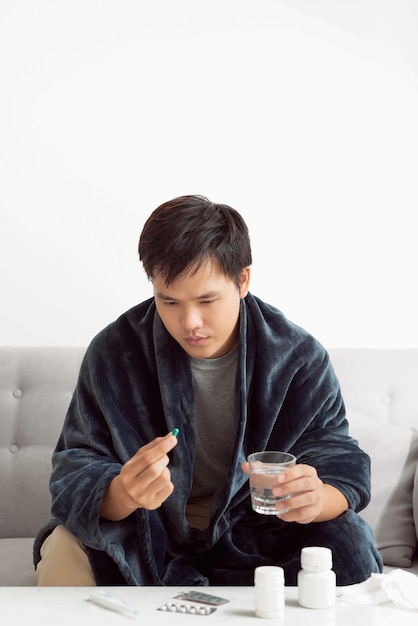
36 385
380 383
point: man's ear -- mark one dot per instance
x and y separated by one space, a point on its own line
244 282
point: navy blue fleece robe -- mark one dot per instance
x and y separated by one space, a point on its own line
135 384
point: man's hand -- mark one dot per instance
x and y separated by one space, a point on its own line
310 499
143 482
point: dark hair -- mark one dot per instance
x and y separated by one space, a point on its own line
183 233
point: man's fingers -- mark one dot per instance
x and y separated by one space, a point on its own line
151 452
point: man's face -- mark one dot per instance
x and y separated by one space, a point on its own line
200 310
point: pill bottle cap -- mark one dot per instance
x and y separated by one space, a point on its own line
316 559
269 575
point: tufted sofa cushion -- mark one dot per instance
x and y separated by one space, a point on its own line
36 385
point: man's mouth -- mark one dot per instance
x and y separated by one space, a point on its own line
195 340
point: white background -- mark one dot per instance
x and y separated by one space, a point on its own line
301 114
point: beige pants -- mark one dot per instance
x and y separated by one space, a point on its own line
64 562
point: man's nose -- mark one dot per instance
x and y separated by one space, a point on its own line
191 319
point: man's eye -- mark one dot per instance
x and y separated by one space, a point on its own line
208 301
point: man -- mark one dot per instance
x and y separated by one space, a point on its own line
134 505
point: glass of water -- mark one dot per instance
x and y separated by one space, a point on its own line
264 467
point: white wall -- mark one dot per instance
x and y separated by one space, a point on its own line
300 114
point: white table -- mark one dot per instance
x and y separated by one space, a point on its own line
70 606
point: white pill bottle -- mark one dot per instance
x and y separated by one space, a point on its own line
316 579
269 592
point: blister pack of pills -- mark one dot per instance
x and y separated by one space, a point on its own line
200 596
186 608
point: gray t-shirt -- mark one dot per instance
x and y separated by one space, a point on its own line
215 391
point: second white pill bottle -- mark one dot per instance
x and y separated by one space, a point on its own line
316 579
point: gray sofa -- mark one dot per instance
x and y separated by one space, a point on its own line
36 385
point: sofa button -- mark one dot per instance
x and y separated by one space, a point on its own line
13 448
387 399
17 393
